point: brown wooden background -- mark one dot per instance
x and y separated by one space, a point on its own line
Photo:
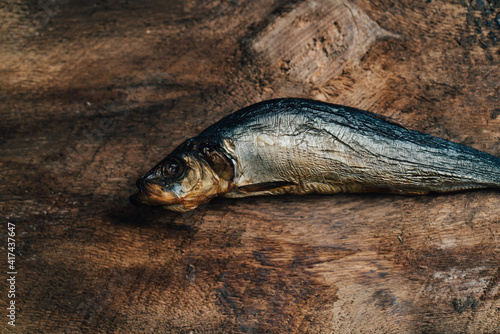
94 93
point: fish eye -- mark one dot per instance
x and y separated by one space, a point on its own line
172 168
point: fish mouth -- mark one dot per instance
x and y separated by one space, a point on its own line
153 194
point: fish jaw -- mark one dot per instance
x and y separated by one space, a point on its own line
154 194
143 199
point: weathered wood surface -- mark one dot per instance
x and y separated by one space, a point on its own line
94 93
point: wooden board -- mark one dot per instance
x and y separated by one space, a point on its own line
93 94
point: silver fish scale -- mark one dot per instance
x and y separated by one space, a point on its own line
330 147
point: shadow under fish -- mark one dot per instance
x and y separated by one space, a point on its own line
299 146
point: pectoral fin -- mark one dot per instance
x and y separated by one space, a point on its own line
265 186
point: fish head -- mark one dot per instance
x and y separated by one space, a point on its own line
191 175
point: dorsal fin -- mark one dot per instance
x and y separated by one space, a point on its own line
389 120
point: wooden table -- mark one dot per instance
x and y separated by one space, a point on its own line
94 94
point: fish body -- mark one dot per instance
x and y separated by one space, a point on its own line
298 146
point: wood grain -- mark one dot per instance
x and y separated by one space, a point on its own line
317 39
94 94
